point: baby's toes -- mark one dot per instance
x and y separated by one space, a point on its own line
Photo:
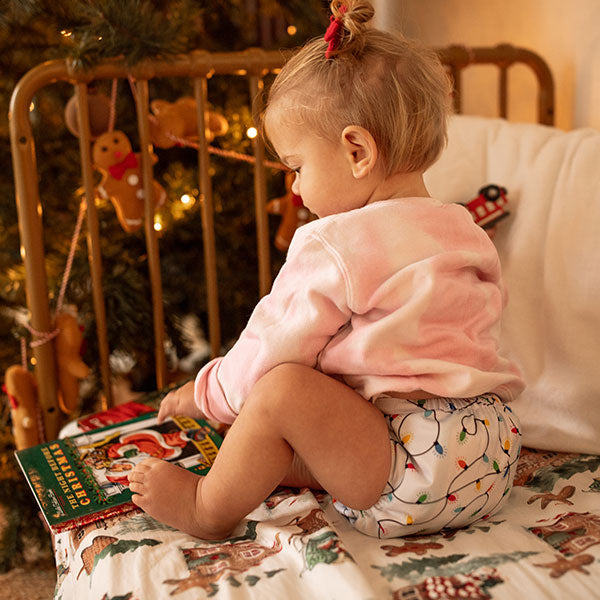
136 475
138 498
148 463
143 468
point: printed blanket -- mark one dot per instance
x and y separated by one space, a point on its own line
545 543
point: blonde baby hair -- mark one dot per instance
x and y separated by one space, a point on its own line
392 86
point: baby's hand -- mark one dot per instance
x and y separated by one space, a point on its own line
180 402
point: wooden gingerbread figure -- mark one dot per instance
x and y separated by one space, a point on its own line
179 120
293 214
112 155
21 389
70 366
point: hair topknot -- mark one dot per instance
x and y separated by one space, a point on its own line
354 16
392 86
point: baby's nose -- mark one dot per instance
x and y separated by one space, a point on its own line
296 185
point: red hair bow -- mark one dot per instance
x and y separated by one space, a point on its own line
333 33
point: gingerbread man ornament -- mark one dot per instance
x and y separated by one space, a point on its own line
70 366
293 214
112 155
21 389
175 121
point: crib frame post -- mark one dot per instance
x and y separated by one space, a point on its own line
93 240
158 318
260 197
208 221
29 210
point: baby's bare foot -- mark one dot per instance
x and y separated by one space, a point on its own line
172 495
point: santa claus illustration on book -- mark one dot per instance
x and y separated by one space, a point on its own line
113 455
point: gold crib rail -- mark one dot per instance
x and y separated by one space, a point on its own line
457 58
200 66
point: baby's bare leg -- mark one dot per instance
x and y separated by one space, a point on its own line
299 476
340 437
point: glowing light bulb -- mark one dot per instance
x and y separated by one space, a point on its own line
291 30
186 199
157 225
252 132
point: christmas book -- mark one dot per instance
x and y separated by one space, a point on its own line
83 478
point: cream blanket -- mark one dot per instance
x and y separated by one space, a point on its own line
550 251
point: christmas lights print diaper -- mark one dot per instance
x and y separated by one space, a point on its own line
542 542
453 462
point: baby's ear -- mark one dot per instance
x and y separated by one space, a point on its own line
360 149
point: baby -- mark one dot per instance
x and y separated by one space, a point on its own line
371 370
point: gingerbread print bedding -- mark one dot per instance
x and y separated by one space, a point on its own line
545 543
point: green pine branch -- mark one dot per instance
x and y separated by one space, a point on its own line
91 30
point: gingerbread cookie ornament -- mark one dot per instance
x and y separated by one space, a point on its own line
113 156
70 367
168 124
177 122
21 389
293 214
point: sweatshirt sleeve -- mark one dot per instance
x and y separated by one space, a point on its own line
307 305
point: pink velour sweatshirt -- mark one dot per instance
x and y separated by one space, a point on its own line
397 296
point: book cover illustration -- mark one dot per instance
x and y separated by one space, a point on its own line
82 478
117 414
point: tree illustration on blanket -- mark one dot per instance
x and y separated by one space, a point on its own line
104 546
447 566
325 549
541 470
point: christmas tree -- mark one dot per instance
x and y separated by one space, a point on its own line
88 31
